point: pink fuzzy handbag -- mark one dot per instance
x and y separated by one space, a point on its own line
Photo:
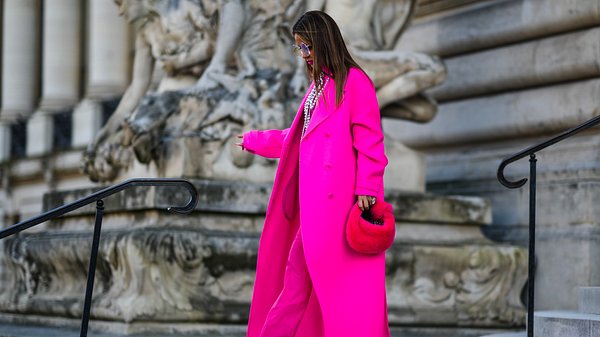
371 231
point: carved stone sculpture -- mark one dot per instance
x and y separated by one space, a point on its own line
465 285
223 67
182 274
180 36
372 29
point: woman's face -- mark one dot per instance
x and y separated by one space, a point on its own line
308 58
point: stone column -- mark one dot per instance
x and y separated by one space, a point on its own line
108 62
109 47
61 70
20 65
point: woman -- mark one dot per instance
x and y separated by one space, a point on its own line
309 281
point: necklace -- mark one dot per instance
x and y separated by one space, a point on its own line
312 99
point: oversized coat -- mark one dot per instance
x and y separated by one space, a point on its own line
317 180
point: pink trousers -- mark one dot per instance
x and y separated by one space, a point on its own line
286 313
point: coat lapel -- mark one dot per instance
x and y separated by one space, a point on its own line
325 107
298 121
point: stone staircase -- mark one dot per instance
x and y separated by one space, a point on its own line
585 322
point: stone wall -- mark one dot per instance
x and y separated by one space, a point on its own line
519 71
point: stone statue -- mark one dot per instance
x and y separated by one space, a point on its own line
180 36
371 29
234 60
222 67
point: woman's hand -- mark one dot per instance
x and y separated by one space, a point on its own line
365 202
240 144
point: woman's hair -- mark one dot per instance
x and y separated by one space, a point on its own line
328 48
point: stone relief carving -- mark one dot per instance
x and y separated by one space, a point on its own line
145 274
158 267
466 285
222 67
182 274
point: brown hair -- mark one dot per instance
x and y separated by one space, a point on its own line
328 48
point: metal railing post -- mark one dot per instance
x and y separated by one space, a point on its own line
531 257
89 289
531 151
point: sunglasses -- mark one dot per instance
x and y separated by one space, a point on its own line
302 50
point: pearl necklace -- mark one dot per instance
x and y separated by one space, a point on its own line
312 99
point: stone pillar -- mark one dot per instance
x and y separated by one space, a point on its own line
20 65
61 70
4 141
61 64
108 64
108 51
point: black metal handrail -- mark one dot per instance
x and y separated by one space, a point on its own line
97 197
531 151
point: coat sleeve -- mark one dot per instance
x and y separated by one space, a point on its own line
367 134
266 143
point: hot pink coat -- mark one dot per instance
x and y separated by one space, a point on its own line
341 156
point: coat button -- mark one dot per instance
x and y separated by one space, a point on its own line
327 135
328 165
330 195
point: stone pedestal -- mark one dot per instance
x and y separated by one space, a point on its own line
170 269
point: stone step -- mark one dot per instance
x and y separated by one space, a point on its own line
121 330
443 332
21 330
589 300
509 334
566 324
11 330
